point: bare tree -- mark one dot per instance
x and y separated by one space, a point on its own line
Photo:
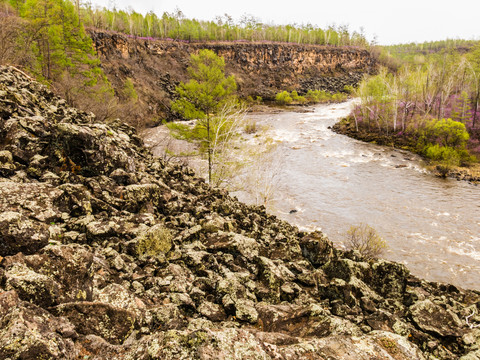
366 240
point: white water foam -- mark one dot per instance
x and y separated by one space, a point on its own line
465 249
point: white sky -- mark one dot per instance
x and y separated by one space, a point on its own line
392 22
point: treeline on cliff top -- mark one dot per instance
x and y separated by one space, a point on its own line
175 26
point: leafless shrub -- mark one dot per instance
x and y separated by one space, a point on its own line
366 240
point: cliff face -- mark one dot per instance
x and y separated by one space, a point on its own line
107 252
260 69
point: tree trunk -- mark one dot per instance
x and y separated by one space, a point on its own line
209 151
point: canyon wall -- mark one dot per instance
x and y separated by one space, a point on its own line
261 69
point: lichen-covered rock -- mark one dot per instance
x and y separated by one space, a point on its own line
30 332
109 253
212 311
107 321
317 249
31 286
56 274
434 318
26 212
20 234
7 167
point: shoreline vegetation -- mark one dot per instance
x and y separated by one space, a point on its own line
429 105
292 101
469 173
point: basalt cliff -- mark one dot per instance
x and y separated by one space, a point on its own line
260 69
107 252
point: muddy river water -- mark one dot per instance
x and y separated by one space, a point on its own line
331 181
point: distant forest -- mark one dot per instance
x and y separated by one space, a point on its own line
176 26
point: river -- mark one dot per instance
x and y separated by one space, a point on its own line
331 181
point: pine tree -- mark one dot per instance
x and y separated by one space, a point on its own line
206 93
59 40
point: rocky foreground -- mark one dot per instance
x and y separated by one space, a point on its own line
109 253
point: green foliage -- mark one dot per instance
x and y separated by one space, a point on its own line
447 132
338 97
208 93
312 97
59 39
444 154
316 96
412 52
129 90
257 101
188 132
47 38
348 89
283 98
366 240
156 241
321 96
461 108
377 86
208 90
176 26
444 142
297 98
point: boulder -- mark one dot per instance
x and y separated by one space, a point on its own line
433 318
30 332
107 321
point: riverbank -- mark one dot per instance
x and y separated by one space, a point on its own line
276 109
347 127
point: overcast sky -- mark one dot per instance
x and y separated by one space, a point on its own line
391 22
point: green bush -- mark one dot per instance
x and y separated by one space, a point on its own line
447 132
316 96
349 89
297 98
283 98
444 141
445 154
129 90
312 97
156 241
366 240
338 97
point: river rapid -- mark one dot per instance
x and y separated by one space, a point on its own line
331 181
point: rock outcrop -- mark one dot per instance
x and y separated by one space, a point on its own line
106 252
260 69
